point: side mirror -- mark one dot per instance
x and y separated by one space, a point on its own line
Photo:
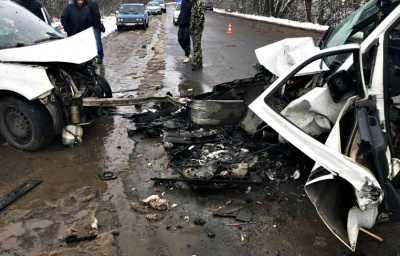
117 12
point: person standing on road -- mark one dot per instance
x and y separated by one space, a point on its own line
196 31
34 6
183 31
96 24
75 17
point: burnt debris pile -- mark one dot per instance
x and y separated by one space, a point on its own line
214 139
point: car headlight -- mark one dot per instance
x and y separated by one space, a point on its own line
120 20
138 19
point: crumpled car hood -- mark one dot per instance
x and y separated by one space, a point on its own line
76 49
282 55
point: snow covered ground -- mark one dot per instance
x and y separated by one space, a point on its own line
284 22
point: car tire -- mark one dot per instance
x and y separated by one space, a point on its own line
144 26
105 86
119 28
25 125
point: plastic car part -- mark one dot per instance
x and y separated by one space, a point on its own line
25 125
18 192
107 175
75 239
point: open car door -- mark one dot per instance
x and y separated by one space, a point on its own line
333 119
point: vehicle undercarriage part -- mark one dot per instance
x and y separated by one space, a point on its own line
18 192
72 135
75 115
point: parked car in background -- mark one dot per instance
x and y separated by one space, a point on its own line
163 5
154 7
208 6
132 15
41 84
176 12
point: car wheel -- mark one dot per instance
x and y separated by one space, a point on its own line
144 26
25 125
119 28
105 86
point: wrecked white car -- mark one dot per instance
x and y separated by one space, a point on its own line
340 107
43 78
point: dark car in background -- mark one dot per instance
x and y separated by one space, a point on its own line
208 6
132 15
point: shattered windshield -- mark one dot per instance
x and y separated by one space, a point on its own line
19 27
341 32
357 25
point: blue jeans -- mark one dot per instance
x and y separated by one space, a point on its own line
97 35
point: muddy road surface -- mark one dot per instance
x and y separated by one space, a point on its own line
106 217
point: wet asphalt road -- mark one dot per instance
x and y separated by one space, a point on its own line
145 63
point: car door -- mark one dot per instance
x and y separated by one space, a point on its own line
338 125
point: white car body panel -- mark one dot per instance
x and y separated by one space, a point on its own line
33 83
75 49
282 55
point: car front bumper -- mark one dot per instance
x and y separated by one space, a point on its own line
130 24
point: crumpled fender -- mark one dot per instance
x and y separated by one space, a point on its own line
26 80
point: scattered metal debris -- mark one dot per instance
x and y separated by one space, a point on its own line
213 139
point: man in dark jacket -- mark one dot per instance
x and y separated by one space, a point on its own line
75 17
196 30
183 31
96 23
34 6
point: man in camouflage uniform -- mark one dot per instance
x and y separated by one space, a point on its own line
196 31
